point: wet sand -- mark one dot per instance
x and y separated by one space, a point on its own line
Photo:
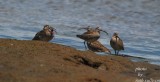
36 61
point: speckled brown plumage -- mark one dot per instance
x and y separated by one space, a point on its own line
116 43
46 34
96 46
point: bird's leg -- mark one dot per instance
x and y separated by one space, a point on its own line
115 52
85 45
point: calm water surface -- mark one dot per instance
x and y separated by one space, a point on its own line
136 21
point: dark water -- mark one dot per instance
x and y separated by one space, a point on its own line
136 21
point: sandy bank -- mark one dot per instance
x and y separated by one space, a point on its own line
36 61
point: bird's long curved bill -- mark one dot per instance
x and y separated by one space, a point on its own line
104 32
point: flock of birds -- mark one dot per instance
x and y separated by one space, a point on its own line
90 38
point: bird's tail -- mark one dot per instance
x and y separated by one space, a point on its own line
79 36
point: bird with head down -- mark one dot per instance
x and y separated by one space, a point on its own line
96 46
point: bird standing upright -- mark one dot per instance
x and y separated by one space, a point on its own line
92 34
46 34
116 43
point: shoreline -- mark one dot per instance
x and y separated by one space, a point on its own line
32 61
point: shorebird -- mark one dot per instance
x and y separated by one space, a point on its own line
91 35
46 34
116 43
96 46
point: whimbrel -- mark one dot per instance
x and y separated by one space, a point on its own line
46 34
91 35
116 43
96 46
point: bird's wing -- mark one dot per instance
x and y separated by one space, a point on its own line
97 46
121 44
38 35
87 36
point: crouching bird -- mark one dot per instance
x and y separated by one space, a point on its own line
96 46
116 43
46 34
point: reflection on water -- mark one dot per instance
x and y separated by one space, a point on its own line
136 21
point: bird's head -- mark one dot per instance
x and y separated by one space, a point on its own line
115 35
99 30
49 29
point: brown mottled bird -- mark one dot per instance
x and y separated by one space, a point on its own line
46 34
91 35
116 43
96 46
